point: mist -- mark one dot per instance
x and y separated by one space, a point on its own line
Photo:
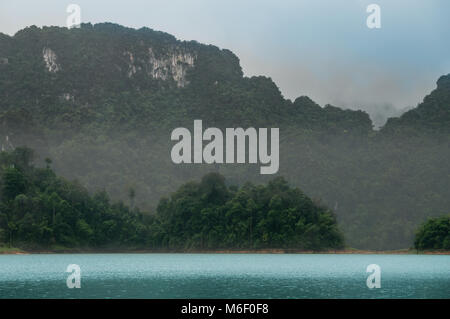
382 93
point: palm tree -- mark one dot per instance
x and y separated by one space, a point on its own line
131 195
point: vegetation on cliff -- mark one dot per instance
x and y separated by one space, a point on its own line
102 100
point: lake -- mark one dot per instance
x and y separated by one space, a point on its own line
224 276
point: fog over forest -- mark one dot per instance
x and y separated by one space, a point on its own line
101 102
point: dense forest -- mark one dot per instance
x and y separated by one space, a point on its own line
209 215
434 234
102 100
41 210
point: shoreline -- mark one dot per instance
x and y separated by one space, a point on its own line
16 251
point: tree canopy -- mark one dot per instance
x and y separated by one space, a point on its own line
434 234
41 210
209 214
105 116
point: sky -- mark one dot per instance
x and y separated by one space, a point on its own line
319 48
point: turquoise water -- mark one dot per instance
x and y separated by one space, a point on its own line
224 276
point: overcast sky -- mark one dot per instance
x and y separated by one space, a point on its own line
319 48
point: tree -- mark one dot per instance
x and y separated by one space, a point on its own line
433 234
14 183
48 162
131 196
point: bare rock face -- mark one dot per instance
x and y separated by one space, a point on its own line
6 144
132 69
50 60
173 65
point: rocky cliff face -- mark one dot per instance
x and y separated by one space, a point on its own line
173 65
50 60
102 100
103 57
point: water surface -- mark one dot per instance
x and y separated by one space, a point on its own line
224 276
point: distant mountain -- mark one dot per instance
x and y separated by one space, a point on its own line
102 100
432 115
57 73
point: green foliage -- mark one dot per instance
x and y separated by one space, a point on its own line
52 212
109 129
432 116
13 183
209 215
434 234
39 209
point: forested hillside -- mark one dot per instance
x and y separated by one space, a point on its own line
39 210
102 100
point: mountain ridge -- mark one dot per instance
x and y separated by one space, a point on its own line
102 106
128 61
